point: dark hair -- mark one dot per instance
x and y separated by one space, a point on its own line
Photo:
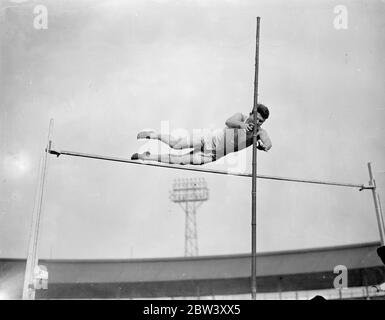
263 110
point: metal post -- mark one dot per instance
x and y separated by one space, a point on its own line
381 212
254 176
372 183
32 258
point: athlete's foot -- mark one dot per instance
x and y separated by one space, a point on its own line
146 134
140 156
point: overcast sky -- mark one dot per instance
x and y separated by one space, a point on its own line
104 70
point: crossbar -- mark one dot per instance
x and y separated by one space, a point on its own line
214 171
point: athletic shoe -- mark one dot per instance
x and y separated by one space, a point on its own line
140 156
145 134
135 156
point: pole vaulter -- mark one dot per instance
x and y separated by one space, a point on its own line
259 140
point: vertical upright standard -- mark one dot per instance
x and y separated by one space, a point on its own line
381 213
29 287
254 176
377 207
190 194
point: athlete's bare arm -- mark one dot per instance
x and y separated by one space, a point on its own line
236 121
264 140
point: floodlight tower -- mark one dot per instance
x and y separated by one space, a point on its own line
190 194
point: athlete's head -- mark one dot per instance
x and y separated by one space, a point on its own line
262 110
262 114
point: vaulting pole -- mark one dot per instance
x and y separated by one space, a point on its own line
254 176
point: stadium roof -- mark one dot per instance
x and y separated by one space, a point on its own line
205 275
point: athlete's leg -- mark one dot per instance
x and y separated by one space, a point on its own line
194 157
174 141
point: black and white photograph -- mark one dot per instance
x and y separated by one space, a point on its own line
185 151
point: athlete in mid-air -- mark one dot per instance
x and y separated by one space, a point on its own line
209 146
